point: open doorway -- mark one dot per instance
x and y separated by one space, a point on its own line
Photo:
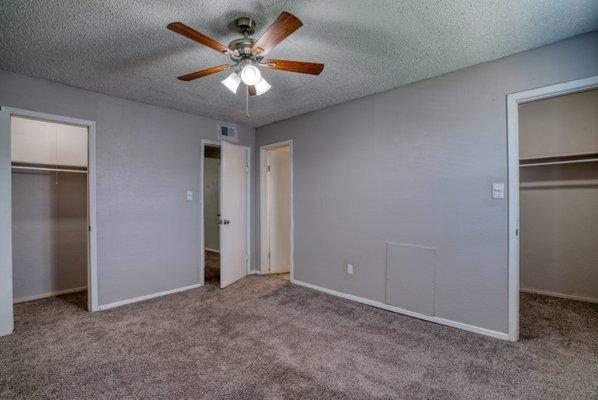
211 213
52 217
553 192
276 209
226 212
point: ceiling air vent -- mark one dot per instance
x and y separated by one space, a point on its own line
227 132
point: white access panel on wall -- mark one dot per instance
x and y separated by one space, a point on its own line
49 143
410 277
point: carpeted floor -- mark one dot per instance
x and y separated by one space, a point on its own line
263 338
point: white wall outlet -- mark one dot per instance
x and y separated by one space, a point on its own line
350 269
189 195
498 190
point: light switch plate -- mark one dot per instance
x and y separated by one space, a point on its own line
189 195
350 269
498 190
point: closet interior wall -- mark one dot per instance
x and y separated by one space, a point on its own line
279 209
558 142
212 198
49 208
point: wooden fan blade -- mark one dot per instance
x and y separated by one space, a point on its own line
252 91
295 66
280 29
192 34
204 72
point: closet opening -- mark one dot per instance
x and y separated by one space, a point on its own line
553 207
276 210
51 209
211 213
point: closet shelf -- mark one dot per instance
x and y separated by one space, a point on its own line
49 168
558 160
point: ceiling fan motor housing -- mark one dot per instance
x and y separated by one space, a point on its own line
242 46
245 25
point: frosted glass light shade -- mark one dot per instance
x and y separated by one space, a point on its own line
232 82
262 87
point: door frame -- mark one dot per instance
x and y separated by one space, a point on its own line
264 222
513 101
92 254
202 259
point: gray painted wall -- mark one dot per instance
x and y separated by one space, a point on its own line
49 231
559 203
212 205
147 157
416 165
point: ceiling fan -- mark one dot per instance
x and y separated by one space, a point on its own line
247 54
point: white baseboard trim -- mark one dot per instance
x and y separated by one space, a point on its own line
373 303
50 294
6 332
147 297
212 250
561 295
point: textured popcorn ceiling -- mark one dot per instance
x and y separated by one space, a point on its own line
122 47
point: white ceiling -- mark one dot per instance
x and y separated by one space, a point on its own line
122 47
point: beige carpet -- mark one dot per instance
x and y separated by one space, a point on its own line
263 338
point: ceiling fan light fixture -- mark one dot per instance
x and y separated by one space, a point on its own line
247 54
250 75
262 87
232 82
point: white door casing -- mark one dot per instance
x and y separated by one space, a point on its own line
6 311
233 210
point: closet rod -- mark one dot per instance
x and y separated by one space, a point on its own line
78 171
559 162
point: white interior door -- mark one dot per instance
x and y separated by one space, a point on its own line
233 211
279 200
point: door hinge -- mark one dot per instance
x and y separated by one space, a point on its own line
268 168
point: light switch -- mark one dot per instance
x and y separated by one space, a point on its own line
189 195
350 269
498 190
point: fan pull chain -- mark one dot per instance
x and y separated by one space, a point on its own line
247 102
56 152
